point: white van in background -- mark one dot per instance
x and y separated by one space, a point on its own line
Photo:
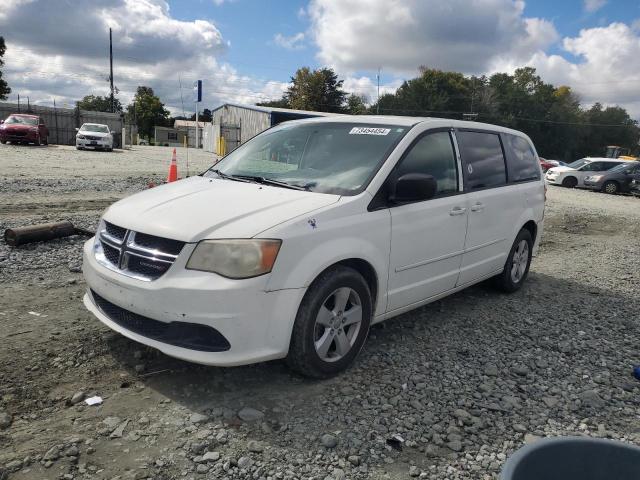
296 242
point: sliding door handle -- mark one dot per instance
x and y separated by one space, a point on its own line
478 207
457 211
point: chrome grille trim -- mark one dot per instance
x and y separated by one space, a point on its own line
149 263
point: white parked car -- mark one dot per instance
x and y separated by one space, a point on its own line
95 136
297 241
573 174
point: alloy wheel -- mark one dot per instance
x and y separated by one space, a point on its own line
520 261
337 324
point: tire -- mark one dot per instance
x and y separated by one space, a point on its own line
309 354
4 142
611 187
570 182
514 274
46 141
78 148
37 142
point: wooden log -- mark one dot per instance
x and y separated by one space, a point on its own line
38 233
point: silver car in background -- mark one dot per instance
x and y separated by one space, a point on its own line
95 136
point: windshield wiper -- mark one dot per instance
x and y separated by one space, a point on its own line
271 181
229 177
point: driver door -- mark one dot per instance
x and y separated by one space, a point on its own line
427 237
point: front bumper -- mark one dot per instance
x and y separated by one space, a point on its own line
102 144
255 323
593 185
28 137
555 179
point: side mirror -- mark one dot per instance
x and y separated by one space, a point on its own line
1 121
77 129
413 187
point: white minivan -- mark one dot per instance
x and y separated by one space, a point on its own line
295 243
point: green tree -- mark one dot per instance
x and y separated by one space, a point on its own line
356 104
433 93
97 103
4 86
317 90
147 111
281 103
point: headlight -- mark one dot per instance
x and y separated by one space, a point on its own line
595 178
80 137
235 258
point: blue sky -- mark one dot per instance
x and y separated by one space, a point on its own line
250 26
245 51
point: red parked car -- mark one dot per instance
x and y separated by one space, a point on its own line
547 164
22 128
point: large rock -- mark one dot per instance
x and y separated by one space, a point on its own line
5 420
249 414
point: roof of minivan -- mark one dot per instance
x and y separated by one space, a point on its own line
603 159
404 121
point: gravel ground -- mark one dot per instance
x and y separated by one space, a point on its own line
464 381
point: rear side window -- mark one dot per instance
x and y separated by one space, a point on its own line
482 158
433 154
522 165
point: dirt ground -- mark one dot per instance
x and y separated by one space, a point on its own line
554 358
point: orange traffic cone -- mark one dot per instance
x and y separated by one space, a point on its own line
173 169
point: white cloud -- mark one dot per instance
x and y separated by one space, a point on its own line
150 48
402 35
608 69
594 5
368 87
294 42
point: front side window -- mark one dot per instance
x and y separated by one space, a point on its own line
522 165
578 163
325 157
483 160
433 155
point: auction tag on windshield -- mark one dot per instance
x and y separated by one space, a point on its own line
369 131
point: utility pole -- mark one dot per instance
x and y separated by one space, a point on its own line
111 69
378 102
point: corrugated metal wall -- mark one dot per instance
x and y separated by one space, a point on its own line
62 122
251 122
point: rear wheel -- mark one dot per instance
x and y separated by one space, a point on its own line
332 323
570 182
518 262
610 187
4 142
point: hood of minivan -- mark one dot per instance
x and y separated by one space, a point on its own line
197 208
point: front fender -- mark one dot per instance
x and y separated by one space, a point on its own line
311 245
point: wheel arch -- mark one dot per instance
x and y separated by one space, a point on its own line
532 227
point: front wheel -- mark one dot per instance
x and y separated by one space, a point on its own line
610 187
570 182
332 323
518 262
37 142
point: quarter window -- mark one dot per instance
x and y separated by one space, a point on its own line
483 160
522 165
433 155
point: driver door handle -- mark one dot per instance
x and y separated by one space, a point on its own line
457 211
478 207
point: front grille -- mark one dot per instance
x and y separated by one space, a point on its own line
193 336
18 133
135 254
92 137
115 231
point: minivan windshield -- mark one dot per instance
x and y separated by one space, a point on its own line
90 127
578 163
325 157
